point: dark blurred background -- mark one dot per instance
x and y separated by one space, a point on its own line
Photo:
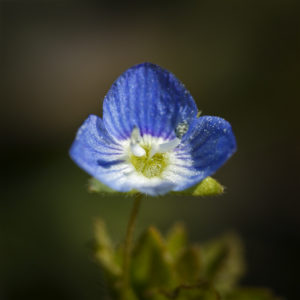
239 59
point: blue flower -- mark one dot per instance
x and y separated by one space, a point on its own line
150 138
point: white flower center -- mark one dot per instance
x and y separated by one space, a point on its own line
150 157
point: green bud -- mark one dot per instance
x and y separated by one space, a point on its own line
207 187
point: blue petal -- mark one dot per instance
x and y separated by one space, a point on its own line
97 153
209 143
159 188
150 98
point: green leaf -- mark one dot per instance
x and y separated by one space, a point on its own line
251 294
207 187
104 252
95 186
176 240
223 262
151 266
189 265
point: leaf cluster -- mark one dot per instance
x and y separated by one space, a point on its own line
170 267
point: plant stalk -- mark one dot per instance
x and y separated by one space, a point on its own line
128 244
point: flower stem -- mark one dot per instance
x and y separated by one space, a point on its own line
128 243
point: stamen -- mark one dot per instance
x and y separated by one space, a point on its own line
168 146
137 150
135 135
153 150
165 147
135 139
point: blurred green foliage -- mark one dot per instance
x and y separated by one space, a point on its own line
170 267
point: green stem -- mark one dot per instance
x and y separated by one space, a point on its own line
128 242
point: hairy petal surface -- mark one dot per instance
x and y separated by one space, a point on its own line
97 153
207 145
150 98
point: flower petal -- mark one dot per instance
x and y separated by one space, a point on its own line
150 98
97 153
207 145
150 186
